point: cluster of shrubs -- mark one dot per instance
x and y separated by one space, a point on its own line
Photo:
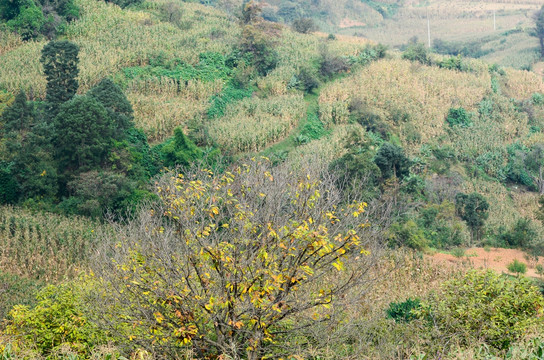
330 65
32 19
479 307
80 154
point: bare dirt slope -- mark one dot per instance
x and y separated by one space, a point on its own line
493 258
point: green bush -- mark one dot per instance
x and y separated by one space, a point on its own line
304 25
517 267
458 252
210 67
520 235
307 79
402 311
331 64
313 129
58 318
451 63
29 22
537 99
368 54
484 306
392 161
459 117
17 290
180 150
407 234
417 52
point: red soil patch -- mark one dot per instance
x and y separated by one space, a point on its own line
495 258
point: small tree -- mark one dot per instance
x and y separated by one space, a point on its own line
517 267
539 22
417 52
473 209
534 165
18 116
258 45
59 60
331 64
392 161
304 25
256 40
539 269
234 263
307 79
29 21
180 150
251 13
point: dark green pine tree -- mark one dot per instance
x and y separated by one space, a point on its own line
84 133
59 60
116 103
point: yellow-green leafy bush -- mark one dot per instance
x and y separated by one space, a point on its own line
485 306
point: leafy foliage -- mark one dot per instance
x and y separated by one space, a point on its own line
84 133
473 209
521 235
211 66
241 259
459 117
304 25
57 318
407 234
32 19
180 150
484 306
392 161
402 311
116 103
228 96
417 52
517 267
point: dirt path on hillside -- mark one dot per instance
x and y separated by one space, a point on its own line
493 258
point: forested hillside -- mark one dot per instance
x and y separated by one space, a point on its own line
217 181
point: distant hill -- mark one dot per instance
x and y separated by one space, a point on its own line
497 31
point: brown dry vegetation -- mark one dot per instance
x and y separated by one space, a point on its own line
390 86
47 247
257 123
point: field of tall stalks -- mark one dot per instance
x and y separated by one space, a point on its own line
253 124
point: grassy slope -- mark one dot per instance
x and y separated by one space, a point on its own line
424 93
387 87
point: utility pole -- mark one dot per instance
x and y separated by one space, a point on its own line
494 21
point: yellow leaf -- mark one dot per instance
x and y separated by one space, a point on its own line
338 265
